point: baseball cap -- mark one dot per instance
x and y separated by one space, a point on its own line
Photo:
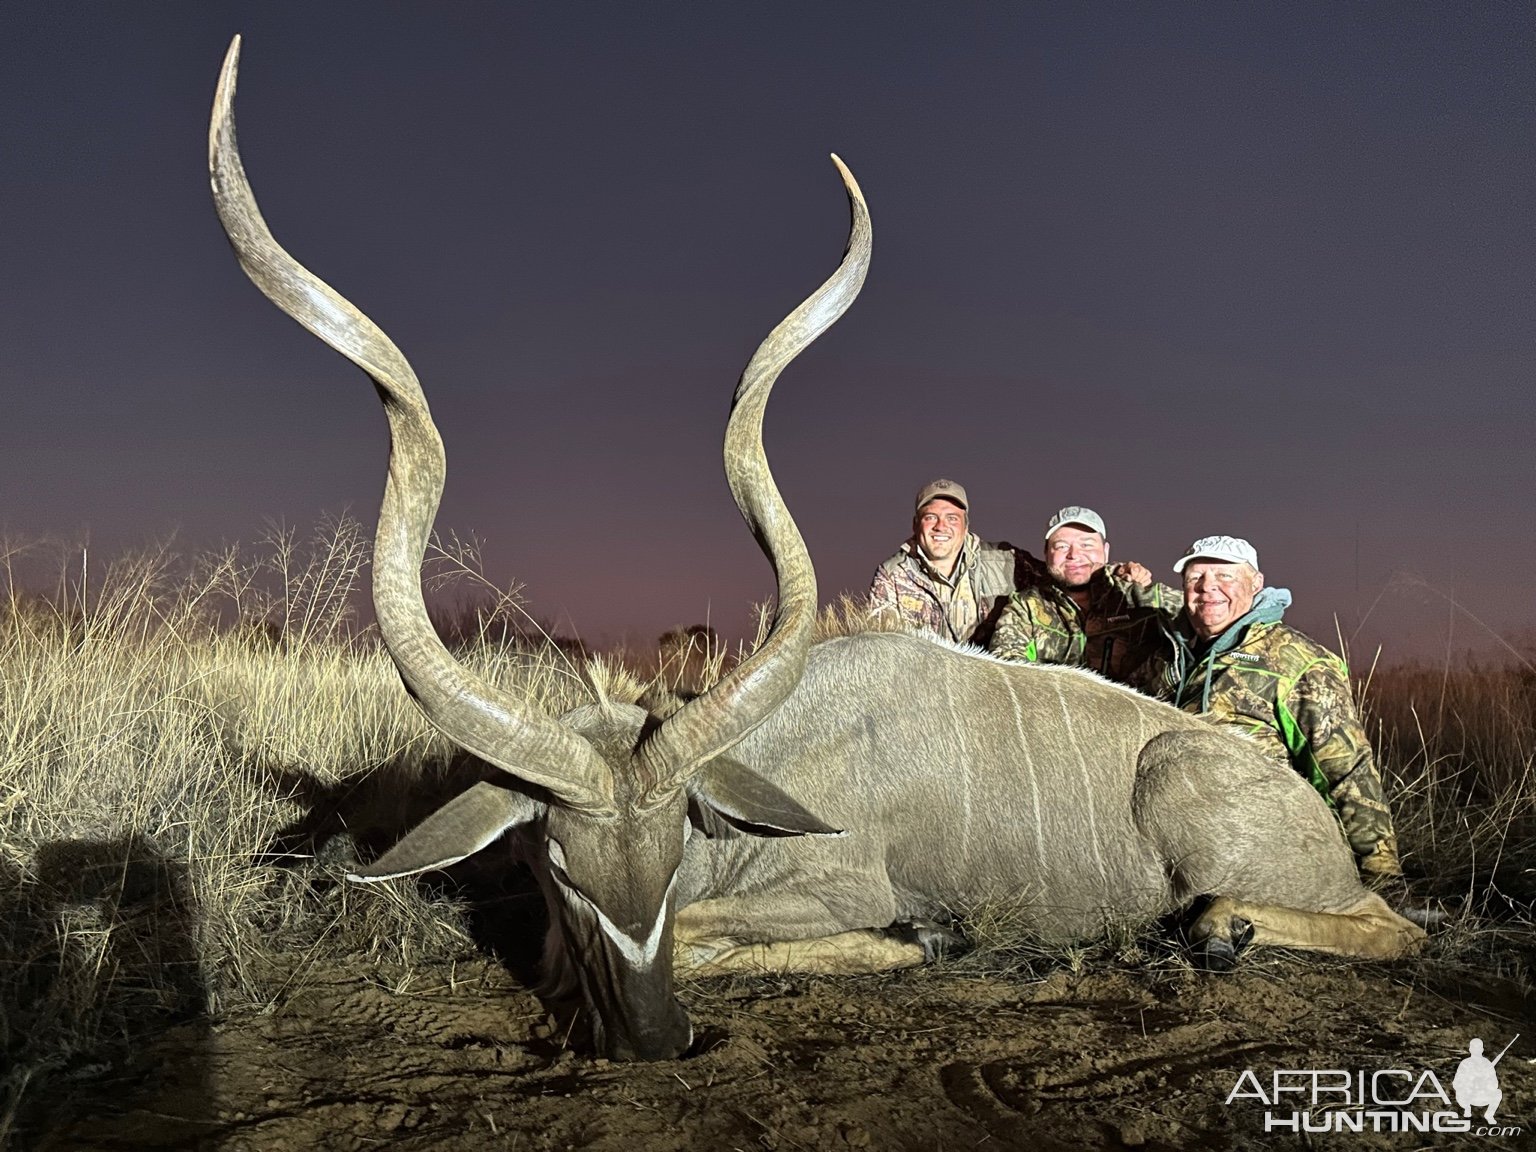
1233 549
1074 514
945 489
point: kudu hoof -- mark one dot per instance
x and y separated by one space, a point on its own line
1431 915
936 941
1218 952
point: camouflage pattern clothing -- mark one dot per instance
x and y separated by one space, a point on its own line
1121 634
1270 680
963 606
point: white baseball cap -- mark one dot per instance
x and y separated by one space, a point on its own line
1233 549
1074 514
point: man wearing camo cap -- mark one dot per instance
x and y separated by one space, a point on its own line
1084 613
945 579
1234 662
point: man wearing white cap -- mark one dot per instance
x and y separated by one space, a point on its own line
1084 614
1236 663
945 579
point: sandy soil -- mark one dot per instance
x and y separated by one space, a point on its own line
1117 1057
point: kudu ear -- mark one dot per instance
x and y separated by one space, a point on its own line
730 790
460 828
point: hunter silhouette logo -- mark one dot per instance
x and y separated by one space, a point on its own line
1476 1084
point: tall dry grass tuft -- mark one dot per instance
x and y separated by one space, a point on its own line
1458 747
180 739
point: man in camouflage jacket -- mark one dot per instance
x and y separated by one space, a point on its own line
1085 615
1236 663
945 579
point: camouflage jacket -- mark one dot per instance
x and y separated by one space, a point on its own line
1121 634
1274 682
963 607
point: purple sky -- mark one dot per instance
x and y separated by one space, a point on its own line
1256 269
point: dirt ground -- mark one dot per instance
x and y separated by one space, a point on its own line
1111 1056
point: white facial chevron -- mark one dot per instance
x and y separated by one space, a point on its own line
639 953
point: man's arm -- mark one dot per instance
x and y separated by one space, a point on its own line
882 593
1323 709
1141 591
1014 636
1164 597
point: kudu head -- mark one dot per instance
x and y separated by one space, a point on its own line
606 790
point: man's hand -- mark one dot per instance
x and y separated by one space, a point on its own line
1138 574
1381 866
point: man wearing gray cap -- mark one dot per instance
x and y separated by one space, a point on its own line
945 579
1234 662
1084 614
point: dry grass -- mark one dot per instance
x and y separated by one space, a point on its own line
189 747
1458 748
176 739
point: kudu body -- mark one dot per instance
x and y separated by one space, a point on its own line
939 778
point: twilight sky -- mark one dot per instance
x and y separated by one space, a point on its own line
1261 269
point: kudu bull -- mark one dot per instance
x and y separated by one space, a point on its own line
958 779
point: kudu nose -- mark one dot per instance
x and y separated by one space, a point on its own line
666 1041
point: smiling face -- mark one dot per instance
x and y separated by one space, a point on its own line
1217 593
940 527
1073 554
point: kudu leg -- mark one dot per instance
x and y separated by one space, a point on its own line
1256 837
844 954
713 937
1370 930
